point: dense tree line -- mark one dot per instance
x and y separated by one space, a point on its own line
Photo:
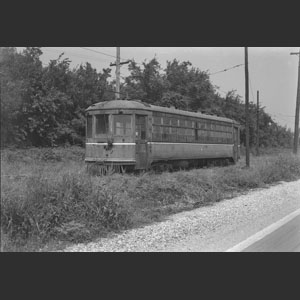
45 105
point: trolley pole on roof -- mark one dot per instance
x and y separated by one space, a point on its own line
118 67
296 133
257 125
247 107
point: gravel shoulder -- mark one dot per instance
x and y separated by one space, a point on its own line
207 229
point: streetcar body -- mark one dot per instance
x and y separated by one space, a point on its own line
138 135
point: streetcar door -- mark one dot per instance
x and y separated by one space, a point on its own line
235 143
141 145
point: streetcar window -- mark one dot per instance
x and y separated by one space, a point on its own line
202 125
189 132
174 122
157 120
189 124
102 124
122 124
156 133
143 132
174 130
181 134
89 126
181 122
165 133
166 121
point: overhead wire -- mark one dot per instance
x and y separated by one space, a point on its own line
225 70
282 116
73 54
103 53
123 77
110 55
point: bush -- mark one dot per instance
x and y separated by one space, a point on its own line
282 167
33 155
238 178
70 204
46 200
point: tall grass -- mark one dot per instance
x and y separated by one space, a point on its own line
47 195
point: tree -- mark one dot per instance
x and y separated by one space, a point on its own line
172 99
147 83
10 96
191 83
88 87
45 106
21 80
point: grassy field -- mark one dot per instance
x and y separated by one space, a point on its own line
49 200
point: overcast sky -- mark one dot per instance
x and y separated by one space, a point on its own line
273 71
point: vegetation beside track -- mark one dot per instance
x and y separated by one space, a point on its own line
48 199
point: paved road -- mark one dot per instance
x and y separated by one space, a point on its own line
281 236
284 239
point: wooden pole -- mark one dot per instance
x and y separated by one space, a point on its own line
247 107
257 125
296 133
118 74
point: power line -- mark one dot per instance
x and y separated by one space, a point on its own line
225 70
103 53
92 50
282 116
73 54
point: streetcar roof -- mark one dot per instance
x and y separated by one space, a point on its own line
139 105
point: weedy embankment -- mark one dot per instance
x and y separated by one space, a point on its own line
47 196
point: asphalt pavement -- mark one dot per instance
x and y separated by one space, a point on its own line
284 239
282 236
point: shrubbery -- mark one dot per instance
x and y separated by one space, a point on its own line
68 205
58 200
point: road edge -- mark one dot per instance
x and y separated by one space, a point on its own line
264 232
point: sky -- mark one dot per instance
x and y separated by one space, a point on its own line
272 70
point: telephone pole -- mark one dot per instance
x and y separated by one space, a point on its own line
118 68
247 107
257 125
296 134
118 74
1 86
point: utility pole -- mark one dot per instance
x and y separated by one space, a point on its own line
296 134
257 125
118 74
118 67
247 108
1 86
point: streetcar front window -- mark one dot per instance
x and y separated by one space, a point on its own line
122 124
102 124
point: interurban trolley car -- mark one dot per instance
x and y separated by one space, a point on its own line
134 135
